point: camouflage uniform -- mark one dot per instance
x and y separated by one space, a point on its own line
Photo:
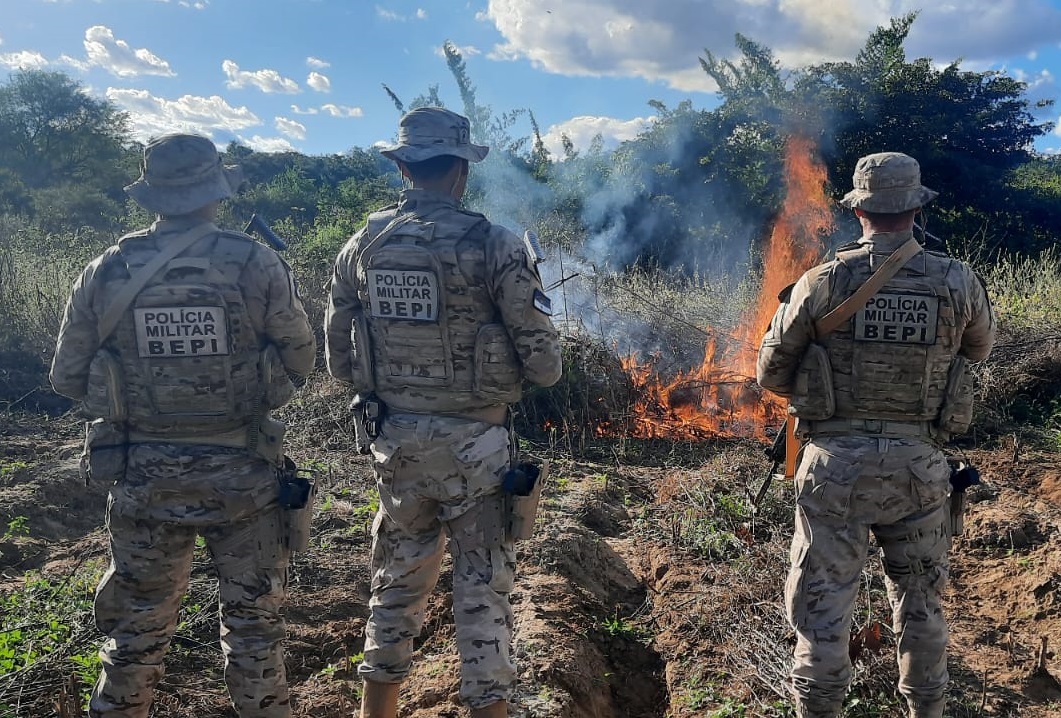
188 475
875 463
442 315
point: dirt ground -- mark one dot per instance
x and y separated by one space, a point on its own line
648 591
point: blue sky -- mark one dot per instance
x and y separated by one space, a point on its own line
308 74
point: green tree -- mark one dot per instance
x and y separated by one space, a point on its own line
969 130
55 133
478 115
67 154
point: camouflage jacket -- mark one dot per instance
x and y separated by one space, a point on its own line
488 281
966 326
267 285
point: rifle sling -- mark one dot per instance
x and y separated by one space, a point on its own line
895 261
109 321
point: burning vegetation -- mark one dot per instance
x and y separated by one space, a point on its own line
720 398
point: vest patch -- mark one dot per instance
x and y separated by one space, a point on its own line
403 294
898 318
181 331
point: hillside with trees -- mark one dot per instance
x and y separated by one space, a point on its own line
651 588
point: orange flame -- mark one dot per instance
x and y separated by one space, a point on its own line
721 397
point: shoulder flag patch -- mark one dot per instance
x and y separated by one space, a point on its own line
542 303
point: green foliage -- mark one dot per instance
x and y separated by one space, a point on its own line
695 193
712 523
8 468
880 705
708 698
346 666
18 526
618 627
65 153
47 633
1026 290
968 130
36 271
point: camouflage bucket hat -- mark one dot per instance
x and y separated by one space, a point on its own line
431 132
181 173
888 182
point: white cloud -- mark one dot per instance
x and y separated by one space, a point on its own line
268 81
319 82
75 63
317 62
23 60
661 41
1042 79
342 110
329 109
116 57
151 116
291 128
392 16
582 130
267 144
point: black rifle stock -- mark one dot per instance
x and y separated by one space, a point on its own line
258 225
776 453
962 476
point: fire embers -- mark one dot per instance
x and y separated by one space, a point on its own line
704 404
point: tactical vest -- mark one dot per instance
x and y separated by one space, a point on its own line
187 350
891 360
435 342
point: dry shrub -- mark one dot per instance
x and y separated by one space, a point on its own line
592 398
1019 385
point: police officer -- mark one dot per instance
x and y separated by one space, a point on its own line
874 399
439 315
178 340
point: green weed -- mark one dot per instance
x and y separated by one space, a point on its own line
881 705
1026 291
48 632
344 665
9 468
18 526
619 627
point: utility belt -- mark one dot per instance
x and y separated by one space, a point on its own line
223 440
266 441
496 415
886 428
369 413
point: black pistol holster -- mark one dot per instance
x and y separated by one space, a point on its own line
368 413
297 492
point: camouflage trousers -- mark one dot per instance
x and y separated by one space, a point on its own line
846 488
438 477
169 496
